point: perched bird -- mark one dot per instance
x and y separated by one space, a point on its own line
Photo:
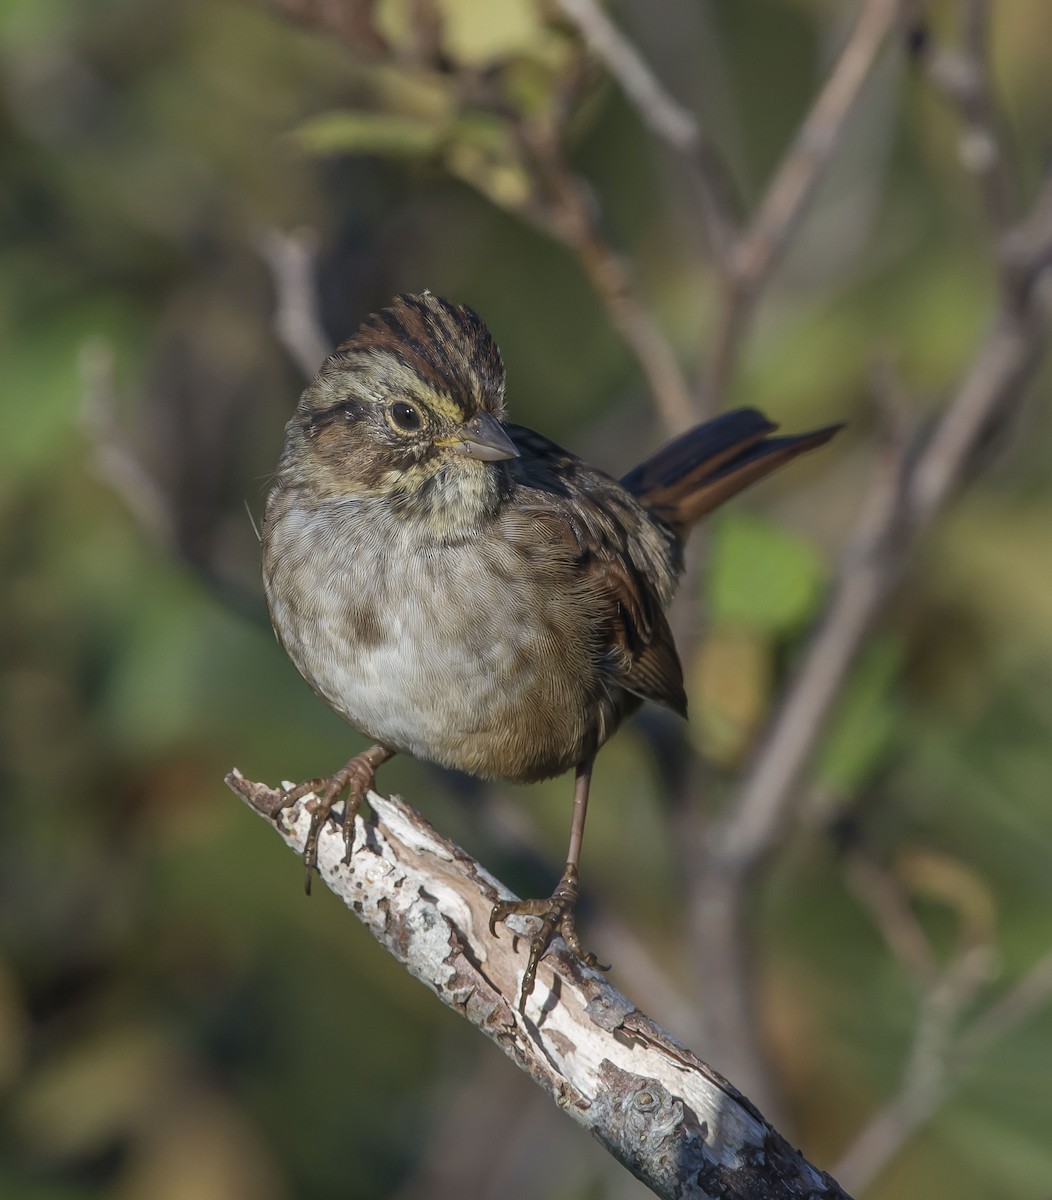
463 590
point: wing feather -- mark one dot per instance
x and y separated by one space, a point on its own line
620 557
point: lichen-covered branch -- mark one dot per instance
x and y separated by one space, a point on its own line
662 1112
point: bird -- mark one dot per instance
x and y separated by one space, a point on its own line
463 590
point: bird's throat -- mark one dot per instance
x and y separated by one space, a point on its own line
452 503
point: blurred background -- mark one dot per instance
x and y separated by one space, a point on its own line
176 1018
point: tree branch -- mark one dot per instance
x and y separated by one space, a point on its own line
900 511
115 461
761 247
297 312
926 1080
119 465
942 1051
904 504
571 216
663 1113
963 76
873 564
664 116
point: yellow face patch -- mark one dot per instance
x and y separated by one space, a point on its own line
444 407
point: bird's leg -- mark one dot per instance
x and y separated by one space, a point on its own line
355 778
557 912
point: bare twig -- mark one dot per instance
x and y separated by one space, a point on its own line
297 319
726 855
1031 995
760 249
1025 252
574 221
122 469
558 203
895 520
942 1053
116 462
662 1112
351 22
664 116
883 897
927 1079
963 76
902 507
904 503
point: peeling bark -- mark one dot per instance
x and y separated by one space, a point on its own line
668 1117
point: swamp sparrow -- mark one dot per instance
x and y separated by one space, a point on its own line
465 591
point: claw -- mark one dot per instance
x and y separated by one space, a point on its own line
355 778
557 917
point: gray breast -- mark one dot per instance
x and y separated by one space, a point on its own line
456 654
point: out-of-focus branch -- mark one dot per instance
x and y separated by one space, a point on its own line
1026 999
351 22
297 316
761 247
942 1051
889 908
116 463
664 116
563 208
662 1112
901 510
904 504
119 466
573 219
963 76
926 1080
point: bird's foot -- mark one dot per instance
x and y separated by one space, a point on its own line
355 778
557 917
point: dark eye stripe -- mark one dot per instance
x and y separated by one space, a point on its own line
349 410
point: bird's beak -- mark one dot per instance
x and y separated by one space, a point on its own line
482 437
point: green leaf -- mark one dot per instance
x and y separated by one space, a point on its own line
763 577
354 132
482 152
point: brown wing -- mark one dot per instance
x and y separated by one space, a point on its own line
641 650
622 560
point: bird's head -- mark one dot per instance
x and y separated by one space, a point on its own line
409 409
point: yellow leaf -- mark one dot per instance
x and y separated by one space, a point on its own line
479 32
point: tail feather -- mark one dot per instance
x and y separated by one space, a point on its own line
702 468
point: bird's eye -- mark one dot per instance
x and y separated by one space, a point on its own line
405 416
